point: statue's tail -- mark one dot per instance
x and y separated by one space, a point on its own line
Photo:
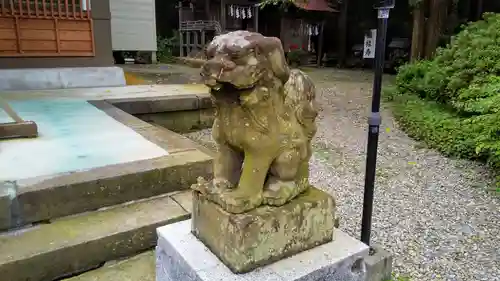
300 96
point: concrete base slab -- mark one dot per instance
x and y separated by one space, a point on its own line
58 78
378 265
180 256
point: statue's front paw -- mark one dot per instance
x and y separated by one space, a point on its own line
237 201
202 186
278 193
222 184
212 187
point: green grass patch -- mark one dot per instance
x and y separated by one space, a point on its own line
444 130
438 128
399 278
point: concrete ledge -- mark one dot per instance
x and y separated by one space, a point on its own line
179 113
180 256
160 135
163 104
112 93
45 198
182 121
6 217
78 243
60 78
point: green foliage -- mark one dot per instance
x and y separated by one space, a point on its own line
414 3
452 102
439 128
165 47
282 4
296 56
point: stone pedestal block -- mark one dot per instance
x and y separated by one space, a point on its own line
264 235
180 256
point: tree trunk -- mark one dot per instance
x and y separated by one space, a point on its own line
342 37
479 9
207 10
320 43
438 13
466 13
417 40
223 15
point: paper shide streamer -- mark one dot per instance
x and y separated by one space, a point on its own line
240 12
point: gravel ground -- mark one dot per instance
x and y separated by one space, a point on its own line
433 213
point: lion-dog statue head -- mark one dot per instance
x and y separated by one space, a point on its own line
265 120
241 59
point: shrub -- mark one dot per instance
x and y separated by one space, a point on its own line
296 56
165 47
472 58
452 102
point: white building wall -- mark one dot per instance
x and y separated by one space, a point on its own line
133 25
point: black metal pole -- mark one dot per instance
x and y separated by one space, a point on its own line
374 125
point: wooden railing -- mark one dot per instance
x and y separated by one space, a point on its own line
63 9
200 25
46 28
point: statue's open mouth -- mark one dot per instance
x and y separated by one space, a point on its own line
226 87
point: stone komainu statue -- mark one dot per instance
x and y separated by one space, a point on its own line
265 121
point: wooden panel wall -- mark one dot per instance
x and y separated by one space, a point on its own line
46 28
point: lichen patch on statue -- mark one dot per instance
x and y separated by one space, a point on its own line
265 118
235 39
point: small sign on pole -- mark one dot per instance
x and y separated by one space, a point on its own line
370 42
383 13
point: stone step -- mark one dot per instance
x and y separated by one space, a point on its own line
86 191
137 268
76 244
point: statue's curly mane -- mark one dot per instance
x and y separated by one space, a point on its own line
300 95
